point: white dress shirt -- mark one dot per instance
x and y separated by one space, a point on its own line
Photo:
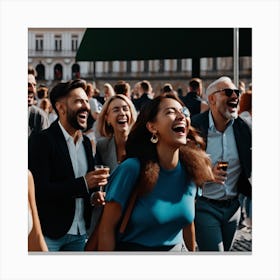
80 167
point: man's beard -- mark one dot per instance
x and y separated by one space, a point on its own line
231 116
72 118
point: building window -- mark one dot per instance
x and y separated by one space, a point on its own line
105 66
154 66
58 72
206 64
116 66
186 64
74 42
122 68
40 68
170 65
76 71
57 42
39 42
137 66
224 63
245 63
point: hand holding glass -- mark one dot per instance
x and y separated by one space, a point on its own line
105 170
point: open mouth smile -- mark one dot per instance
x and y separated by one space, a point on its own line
82 116
232 104
122 121
179 128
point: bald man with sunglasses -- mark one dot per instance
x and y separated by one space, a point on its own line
228 140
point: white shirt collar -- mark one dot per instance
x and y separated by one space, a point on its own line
67 136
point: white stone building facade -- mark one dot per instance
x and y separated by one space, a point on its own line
52 52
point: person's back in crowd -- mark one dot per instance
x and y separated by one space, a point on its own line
145 95
193 99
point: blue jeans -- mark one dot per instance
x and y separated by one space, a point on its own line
68 242
216 224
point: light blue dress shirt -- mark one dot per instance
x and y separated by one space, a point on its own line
222 146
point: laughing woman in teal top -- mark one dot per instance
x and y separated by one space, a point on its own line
165 159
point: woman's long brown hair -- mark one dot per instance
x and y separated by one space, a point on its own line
196 162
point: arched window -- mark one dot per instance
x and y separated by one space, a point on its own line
76 71
40 69
58 72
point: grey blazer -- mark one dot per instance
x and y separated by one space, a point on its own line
106 153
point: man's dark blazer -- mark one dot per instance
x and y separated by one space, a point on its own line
55 185
243 140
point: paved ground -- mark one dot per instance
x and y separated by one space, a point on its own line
243 240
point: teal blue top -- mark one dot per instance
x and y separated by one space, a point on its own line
158 217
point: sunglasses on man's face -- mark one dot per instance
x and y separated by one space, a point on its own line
229 91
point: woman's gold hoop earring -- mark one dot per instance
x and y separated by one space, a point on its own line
154 139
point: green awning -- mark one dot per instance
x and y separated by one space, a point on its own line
108 44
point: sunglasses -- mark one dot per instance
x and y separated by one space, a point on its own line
229 91
186 112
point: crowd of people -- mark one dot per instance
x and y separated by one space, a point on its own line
185 159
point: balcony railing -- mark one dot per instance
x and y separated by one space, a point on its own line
51 53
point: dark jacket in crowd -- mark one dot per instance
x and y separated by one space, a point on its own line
141 101
193 102
55 185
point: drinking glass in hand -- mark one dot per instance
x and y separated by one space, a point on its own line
105 170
